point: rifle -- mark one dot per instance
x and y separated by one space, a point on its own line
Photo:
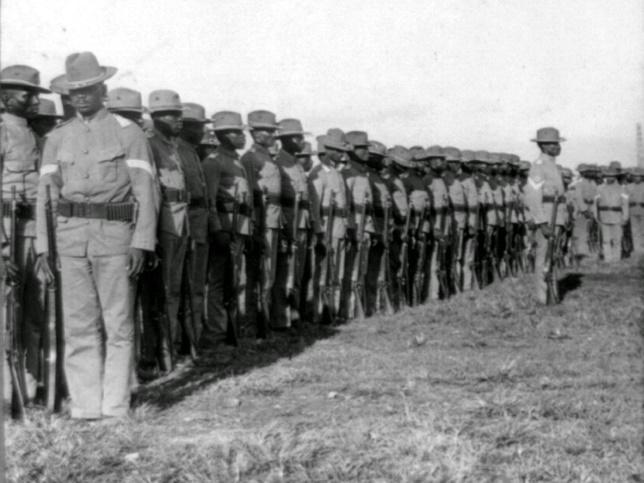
326 296
358 284
232 332
456 246
53 337
15 349
189 325
263 298
295 244
382 293
441 259
403 292
552 296
421 259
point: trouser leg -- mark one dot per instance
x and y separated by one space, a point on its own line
220 277
541 287
199 272
468 263
173 253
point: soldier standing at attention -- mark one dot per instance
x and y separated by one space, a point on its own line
292 253
20 157
229 211
458 221
99 171
192 131
611 209
470 229
637 210
543 186
267 213
166 111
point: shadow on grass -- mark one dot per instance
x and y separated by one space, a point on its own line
166 392
567 284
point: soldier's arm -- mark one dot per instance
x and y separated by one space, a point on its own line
399 196
212 172
472 200
49 176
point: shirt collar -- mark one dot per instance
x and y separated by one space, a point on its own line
96 117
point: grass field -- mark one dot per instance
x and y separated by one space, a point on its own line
483 387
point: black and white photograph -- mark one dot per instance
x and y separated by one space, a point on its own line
296 241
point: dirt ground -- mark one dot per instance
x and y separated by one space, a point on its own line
483 387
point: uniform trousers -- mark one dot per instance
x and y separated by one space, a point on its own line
99 334
329 282
198 271
611 241
260 269
467 269
286 305
580 236
173 255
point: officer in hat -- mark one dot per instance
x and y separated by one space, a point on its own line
329 202
126 103
192 132
99 171
229 224
611 210
166 111
543 187
297 218
45 120
208 144
360 222
20 156
267 214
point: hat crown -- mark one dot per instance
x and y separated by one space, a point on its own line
46 107
124 98
262 118
227 120
58 86
20 73
467 155
401 155
306 150
336 139
321 139
548 135
615 165
494 158
482 156
193 112
290 125
376 147
164 100
434 151
357 138
452 154
82 66
514 160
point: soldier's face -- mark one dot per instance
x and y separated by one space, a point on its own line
264 137
436 164
551 149
454 166
169 122
21 102
192 131
235 138
88 100
335 155
305 161
293 144
362 153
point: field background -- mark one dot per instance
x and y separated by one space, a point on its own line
483 387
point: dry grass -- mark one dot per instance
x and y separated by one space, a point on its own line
483 387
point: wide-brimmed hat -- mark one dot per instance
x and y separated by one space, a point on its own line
23 77
514 160
417 153
82 70
226 121
566 172
262 120
609 172
548 135
193 112
377 148
57 85
47 108
583 168
452 154
336 139
615 165
307 150
434 151
524 165
290 127
467 155
124 99
401 156
358 139
164 100
320 141
494 158
481 157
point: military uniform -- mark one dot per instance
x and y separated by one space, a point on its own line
611 209
583 196
98 169
470 229
637 211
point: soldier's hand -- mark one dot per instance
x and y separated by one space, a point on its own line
137 262
152 261
545 230
42 266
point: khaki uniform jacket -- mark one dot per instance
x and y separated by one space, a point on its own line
611 204
457 199
293 182
486 200
381 199
267 186
544 181
173 216
101 160
196 187
225 175
418 196
399 198
471 200
358 193
439 200
325 181
20 157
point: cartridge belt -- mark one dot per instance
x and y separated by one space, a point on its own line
174 195
103 211
337 212
24 211
610 208
551 199
288 202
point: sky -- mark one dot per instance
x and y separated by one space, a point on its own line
475 74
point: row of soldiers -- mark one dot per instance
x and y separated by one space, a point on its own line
167 242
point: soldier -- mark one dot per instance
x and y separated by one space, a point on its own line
305 157
297 220
329 201
360 223
305 160
543 187
471 219
637 210
229 210
192 132
20 156
98 169
208 144
166 111
126 103
484 256
46 120
611 210
267 214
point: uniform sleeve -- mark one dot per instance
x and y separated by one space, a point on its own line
399 198
143 181
596 206
212 172
472 200
315 204
534 195
625 198
49 176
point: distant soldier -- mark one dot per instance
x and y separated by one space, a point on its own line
266 184
305 160
166 111
20 157
229 224
583 193
46 120
611 209
126 103
487 219
99 172
498 187
543 187
192 132
305 157
471 220
637 209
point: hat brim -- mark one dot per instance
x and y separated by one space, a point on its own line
230 127
106 73
24 85
401 162
138 110
153 110
339 147
49 116
259 125
200 121
537 140
292 133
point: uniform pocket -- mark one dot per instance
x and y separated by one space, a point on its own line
68 168
108 164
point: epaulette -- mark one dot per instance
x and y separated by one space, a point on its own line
123 122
